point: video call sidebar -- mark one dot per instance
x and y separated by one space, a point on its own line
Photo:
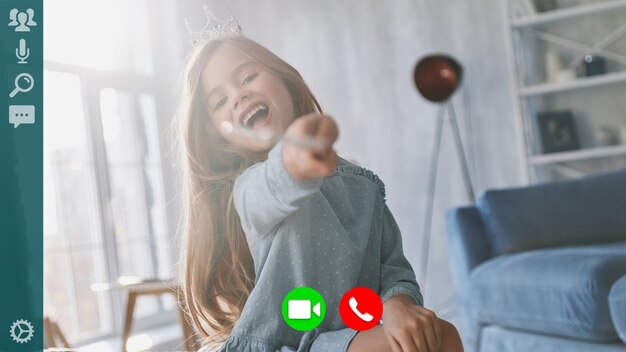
21 176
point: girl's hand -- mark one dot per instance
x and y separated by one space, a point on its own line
305 162
409 327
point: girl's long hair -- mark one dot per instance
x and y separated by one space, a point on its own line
217 270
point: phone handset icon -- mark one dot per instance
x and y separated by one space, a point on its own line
364 316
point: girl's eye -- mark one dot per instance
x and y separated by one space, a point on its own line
249 78
220 103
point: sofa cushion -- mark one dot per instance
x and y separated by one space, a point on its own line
617 305
576 212
498 339
561 291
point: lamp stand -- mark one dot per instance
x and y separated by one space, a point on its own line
432 177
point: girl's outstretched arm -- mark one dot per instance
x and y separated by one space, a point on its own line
311 160
268 192
265 194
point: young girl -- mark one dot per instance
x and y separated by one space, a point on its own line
263 218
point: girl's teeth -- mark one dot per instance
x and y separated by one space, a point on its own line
251 113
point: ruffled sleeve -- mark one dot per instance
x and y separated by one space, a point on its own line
396 274
346 167
315 340
265 194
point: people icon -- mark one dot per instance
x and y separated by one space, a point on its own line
22 21
12 17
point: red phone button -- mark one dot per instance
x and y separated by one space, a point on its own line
361 308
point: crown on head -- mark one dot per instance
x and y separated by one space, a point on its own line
215 28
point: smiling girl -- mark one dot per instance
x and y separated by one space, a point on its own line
266 215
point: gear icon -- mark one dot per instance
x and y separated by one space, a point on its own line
22 331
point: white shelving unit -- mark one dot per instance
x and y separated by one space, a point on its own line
532 35
548 88
567 13
589 153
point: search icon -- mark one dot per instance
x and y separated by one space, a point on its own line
22 87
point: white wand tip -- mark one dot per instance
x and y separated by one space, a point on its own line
227 126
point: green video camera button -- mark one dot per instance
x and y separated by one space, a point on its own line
303 309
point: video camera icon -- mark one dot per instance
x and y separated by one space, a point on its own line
303 309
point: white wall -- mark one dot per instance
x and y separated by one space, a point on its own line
358 58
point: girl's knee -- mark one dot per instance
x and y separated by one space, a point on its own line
451 340
446 327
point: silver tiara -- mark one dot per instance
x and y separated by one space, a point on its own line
215 28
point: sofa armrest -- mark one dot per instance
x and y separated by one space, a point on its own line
467 241
617 305
468 247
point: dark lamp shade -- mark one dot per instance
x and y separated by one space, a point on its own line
437 77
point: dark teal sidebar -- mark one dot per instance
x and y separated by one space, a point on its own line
21 176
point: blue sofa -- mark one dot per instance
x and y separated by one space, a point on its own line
543 268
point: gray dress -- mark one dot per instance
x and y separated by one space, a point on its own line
330 234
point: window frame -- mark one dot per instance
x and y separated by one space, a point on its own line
92 82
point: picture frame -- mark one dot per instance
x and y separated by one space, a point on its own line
558 131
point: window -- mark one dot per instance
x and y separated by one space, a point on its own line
104 213
107 35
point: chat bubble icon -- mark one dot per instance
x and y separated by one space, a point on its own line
21 114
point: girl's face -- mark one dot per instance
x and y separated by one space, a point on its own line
240 92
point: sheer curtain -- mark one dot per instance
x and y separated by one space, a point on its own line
106 205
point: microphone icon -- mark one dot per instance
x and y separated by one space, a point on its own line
22 52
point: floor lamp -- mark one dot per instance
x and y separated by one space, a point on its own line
437 77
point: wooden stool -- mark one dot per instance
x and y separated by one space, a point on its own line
54 333
137 288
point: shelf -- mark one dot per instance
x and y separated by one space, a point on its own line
526 57
567 13
580 83
583 154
